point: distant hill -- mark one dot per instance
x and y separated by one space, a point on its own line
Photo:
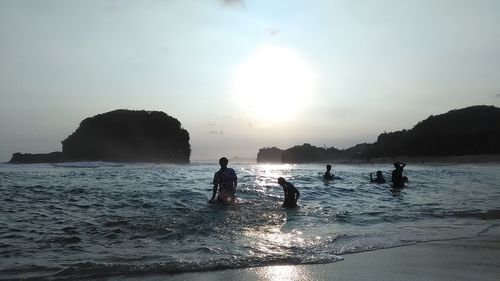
307 153
269 154
471 130
467 131
121 135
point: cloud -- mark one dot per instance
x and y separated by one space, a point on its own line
233 3
113 7
220 133
497 95
273 31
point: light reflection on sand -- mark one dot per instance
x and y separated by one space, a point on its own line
283 273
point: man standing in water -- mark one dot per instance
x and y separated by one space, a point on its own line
398 180
291 193
225 182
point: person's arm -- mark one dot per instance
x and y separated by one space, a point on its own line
371 176
214 191
235 180
403 165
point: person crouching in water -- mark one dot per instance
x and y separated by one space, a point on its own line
225 182
291 193
378 179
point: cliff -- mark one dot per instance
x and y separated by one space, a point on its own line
467 131
121 135
28 158
307 153
269 154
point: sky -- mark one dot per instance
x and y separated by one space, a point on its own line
243 75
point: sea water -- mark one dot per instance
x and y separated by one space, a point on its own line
96 220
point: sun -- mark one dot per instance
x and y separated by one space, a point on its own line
273 85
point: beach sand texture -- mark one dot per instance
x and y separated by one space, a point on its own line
461 259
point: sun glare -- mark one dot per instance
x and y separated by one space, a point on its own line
273 85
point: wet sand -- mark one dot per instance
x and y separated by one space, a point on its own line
462 259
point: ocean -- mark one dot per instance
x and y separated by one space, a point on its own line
96 220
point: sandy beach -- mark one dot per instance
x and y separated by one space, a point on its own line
461 259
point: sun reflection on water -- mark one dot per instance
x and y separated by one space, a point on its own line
267 175
272 241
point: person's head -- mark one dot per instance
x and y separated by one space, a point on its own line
379 174
328 167
223 162
396 164
281 181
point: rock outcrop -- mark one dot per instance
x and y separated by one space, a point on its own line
28 158
269 154
121 136
468 131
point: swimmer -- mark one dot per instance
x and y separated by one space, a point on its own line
378 179
328 175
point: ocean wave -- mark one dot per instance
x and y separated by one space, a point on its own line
91 270
139 219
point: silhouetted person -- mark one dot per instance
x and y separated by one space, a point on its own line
328 175
378 179
291 193
225 182
397 175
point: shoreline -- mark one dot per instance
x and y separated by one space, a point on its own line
476 258
459 159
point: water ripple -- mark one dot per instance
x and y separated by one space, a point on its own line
147 218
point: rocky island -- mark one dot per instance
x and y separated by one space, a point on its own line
121 136
473 130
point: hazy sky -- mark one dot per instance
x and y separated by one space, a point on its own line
241 75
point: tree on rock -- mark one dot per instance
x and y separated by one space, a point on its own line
129 135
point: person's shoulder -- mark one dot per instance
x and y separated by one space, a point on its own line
232 172
217 174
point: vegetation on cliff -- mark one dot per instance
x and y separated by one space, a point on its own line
269 154
53 157
122 135
471 130
307 153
